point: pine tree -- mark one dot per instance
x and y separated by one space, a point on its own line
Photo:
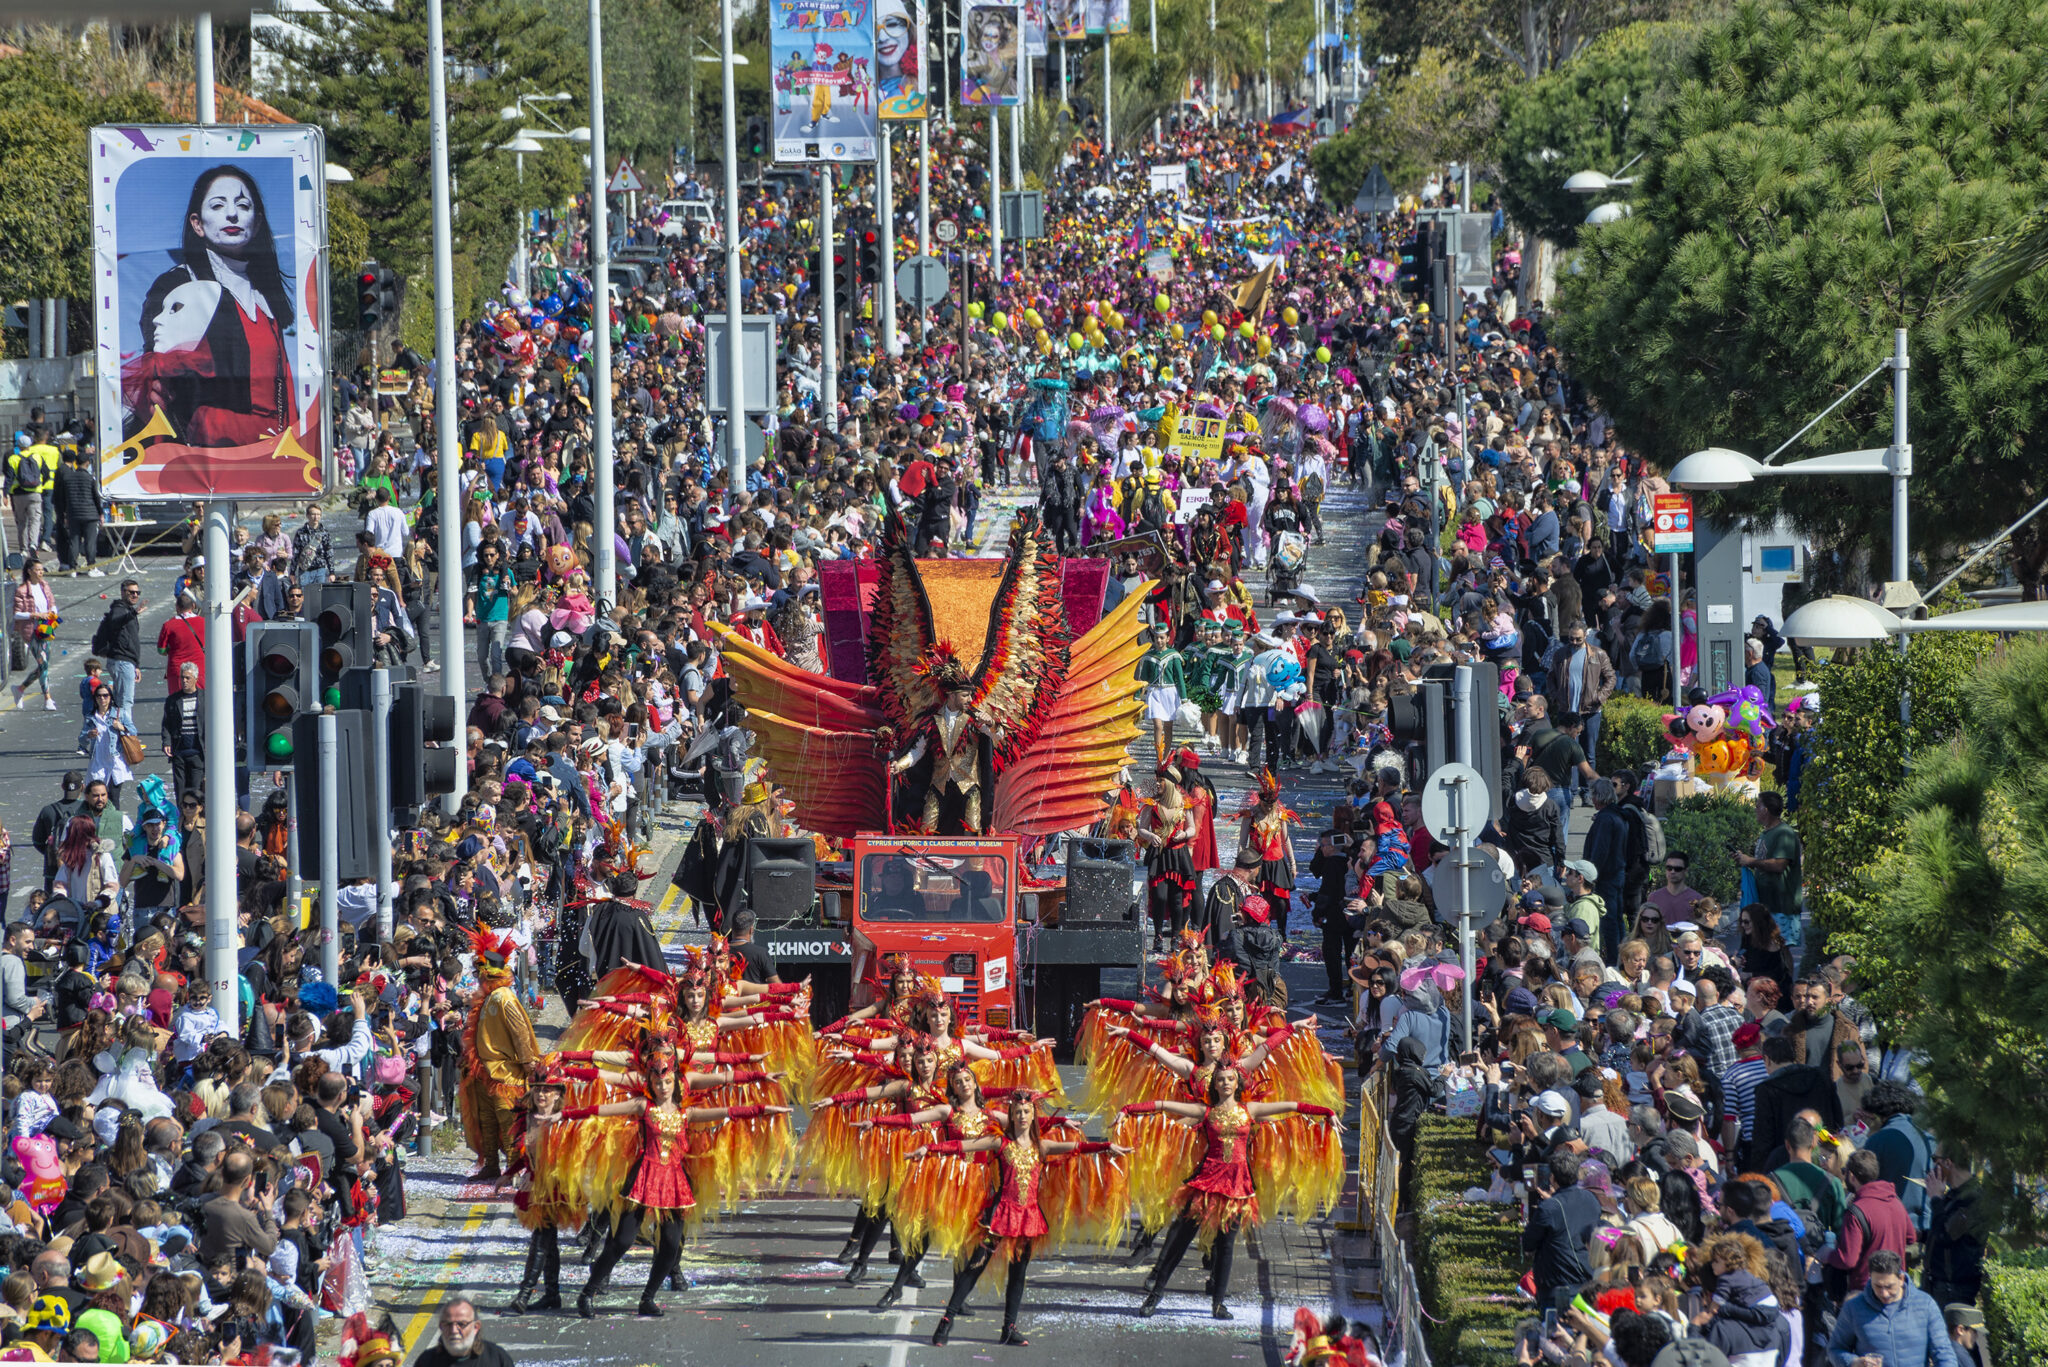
359 70
1816 180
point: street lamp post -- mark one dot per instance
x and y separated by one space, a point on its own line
519 147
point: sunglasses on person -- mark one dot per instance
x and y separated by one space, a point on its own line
1674 868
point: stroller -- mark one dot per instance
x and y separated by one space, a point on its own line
1290 557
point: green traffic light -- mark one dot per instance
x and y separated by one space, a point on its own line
332 697
279 744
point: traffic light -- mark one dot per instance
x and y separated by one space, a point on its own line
756 148
280 659
420 719
845 288
343 615
868 250
377 295
352 815
1415 262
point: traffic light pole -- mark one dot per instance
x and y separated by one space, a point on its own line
604 538
828 303
735 435
447 456
330 848
380 801
221 969
885 287
995 200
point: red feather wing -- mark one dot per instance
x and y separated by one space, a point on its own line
1024 662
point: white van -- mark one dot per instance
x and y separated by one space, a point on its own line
681 211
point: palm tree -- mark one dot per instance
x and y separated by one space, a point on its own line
2012 258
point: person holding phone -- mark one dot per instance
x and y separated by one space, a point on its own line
1561 1223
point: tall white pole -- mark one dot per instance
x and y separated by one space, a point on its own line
202 70
885 214
604 536
828 306
221 807
519 215
1106 137
1901 457
1316 55
221 969
995 200
735 434
380 802
447 456
1017 147
329 836
1154 7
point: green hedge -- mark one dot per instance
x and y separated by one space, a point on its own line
2016 1307
1631 733
1709 828
1467 1257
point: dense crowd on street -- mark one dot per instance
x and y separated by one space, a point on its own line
183 1187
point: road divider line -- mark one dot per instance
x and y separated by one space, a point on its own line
424 1316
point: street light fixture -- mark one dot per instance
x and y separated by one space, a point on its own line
337 174
1838 620
1611 212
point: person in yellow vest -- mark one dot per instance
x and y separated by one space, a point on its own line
31 477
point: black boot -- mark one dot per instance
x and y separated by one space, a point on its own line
1219 1279
528 1279
943 1332
550 1271
1141 1245
851 1248
1013 1303
869 1237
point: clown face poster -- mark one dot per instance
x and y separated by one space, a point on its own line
210 310
988 65
900 64
826 94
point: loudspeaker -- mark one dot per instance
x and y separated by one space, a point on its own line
782 876
1099 874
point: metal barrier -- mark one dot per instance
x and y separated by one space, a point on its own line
1403 1341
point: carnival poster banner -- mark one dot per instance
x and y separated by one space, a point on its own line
209 269
1107 16
1066 21
1034 28
901 68
991 36
823 53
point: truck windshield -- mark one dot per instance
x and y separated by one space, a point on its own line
934 888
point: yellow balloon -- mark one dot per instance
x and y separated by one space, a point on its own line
974 309
1208 318
1161 302
1245 329
1075 340
1039 336
1031 317
789 290
1289 316
1216 331
1001 321
1323 355
1166 372
1265 345
1179 332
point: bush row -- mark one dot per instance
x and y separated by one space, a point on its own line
1467 1257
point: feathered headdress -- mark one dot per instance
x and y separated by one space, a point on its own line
930 992
696 967
942 667
894 962
493 951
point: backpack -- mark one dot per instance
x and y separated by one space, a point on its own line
1653 836
28 473
1650 650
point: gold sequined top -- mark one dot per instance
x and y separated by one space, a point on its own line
667 1126
969 1124
1021 1160
948 1053
1231 1125
701 1034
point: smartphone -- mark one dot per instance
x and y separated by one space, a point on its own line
1549 1318
1543 1176
1502 1158
1528 1177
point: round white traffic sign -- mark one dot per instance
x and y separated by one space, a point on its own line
945 230
1453 797
1484 888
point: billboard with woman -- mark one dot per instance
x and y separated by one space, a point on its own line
988 67
900 64
209 274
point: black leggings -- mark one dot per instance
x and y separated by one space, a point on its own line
668 1250
1013 1294
1178 1237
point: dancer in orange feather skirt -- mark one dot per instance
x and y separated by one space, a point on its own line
1015 1224
659 1190
1222 1197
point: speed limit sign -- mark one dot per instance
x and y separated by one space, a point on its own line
945 230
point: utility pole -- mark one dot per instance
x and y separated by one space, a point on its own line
604 537
735 435
448 459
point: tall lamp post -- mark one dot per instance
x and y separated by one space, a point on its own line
519 147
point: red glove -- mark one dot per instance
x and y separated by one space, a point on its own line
1142 1040
776 1013
1119 1004
1141 1108
950 1147
745 1112
848 1098
1284 1033
745 1075
577 1055
732 1058
1304 1108
1015 1053
579 1113
584 1074
895 1122
1092 1146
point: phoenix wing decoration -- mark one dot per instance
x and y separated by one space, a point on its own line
817 734
900 632
1024 660
1083 744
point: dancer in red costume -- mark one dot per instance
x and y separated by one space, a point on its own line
542 1207
1222 1197
1015 1224
1026 1064
658 1191
925 1206
883 1152
1166 832
1268 828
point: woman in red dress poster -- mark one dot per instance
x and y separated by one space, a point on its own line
213 326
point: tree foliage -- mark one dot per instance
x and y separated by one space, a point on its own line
1438 110
50 97
1965 933
1586 115
359 69
1813 182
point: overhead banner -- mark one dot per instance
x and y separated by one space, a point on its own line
992 33
825 91
1108 16
1034 28
1066 21
210 310
900 66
